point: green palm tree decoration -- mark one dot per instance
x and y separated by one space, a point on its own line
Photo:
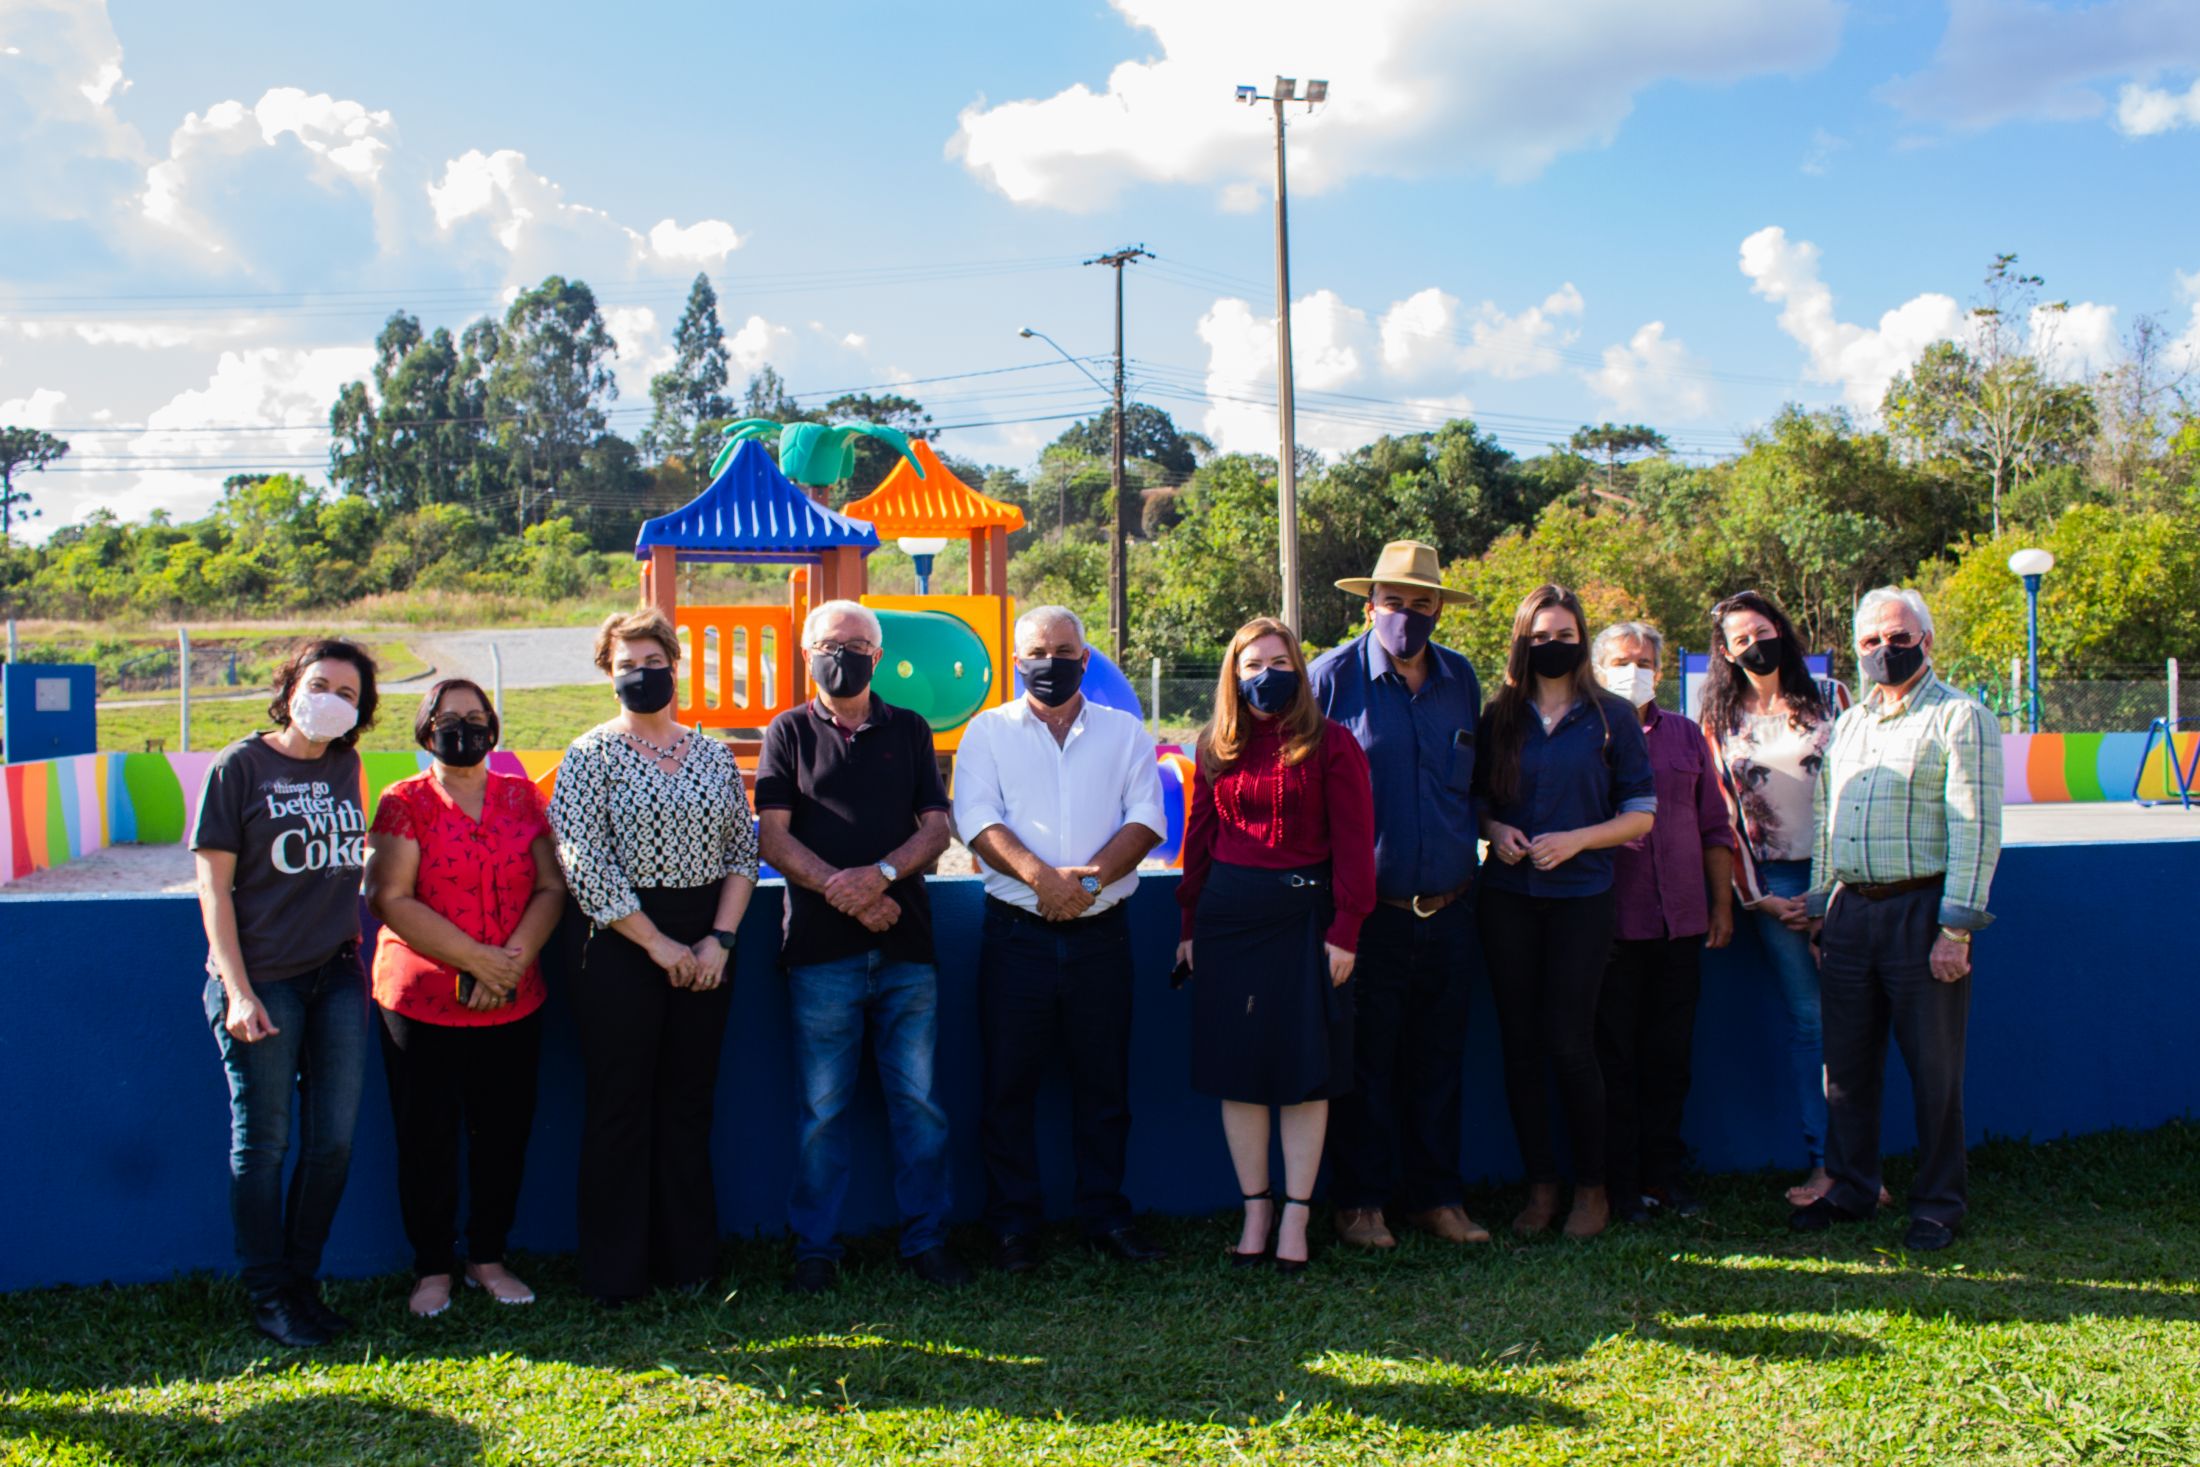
814 455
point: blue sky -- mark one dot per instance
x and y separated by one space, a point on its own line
1685 214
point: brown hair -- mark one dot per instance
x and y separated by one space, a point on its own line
1222 741
324 649
424 720
1724 682
1510 710
646 625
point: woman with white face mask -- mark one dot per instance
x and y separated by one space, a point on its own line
1674 897
279 839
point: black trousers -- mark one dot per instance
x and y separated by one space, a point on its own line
1395 1138
1055 993
649 1058
444 1078
1875 975
1646 1027
1546 957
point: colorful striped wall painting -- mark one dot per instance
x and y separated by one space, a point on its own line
58 809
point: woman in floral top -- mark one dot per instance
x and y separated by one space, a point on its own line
1768 721
658 844
461 872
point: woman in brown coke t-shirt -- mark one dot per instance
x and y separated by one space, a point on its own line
280 838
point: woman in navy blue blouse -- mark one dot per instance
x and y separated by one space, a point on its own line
1564 778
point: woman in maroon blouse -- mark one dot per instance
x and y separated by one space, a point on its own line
1279 872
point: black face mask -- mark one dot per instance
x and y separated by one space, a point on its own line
644 689
841 674
1270 690
1555 659
1052 680
1761 656
461 745
1891 666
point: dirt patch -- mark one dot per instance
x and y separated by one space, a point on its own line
134 869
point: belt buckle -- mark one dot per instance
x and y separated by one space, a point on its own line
1414 907
1295 881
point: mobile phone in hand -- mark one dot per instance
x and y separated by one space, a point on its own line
466 987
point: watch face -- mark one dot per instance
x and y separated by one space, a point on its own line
1091 884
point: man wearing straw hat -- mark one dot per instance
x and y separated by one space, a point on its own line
1413 705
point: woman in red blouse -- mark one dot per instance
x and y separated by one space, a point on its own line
463 875
1279 872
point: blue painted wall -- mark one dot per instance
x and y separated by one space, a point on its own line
114 1136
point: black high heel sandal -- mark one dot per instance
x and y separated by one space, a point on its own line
1251 1260
1292 1267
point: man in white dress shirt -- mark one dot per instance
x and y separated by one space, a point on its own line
1060 799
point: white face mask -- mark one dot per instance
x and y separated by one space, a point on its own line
1638 685
322 716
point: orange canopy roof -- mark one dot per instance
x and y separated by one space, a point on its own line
937 504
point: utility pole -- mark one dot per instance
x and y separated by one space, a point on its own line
1119 598
1287 469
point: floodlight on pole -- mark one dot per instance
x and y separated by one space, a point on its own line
2030 566
1287 475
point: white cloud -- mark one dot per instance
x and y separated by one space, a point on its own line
1421 86
1861 359
2076 341
63 148
42 409
703 242
1428 332
537 230
2005 59
189 193
757 342
644 349
1650 378
1818 159
2142 111
2184 353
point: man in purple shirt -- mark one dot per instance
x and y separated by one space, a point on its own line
1674 892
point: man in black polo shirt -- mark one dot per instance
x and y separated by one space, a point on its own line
853 811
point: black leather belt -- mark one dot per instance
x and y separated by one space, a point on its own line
995 904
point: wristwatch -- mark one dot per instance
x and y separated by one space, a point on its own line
725 938
1956 934
1091 884
886 869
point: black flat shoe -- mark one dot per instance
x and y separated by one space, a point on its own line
283 1319
1293 1267
307 1297
1927 1236
1124 1245
938 1266
1819 1217
1015 1253
1675 1200
814 1276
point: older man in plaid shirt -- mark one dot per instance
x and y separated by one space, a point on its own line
1909 829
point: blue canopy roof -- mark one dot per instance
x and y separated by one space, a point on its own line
752 512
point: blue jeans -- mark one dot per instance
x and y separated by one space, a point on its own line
1797 973
833 1004
320 1048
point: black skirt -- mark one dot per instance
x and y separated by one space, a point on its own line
1268 1027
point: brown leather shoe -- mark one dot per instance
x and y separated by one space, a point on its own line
1449 1223
1362 1227
1541 1211
1592 1213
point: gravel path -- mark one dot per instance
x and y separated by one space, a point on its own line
534 657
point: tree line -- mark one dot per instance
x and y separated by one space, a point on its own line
484 461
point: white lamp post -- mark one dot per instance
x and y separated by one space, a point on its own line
921 549
2031 565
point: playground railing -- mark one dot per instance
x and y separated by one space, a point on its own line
2184 771
740 665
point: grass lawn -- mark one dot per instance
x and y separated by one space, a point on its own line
2063 1327
534 718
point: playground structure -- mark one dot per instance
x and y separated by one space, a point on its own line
948 655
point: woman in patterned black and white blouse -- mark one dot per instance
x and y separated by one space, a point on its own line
658 845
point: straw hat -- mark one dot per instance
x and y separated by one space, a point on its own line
1404 563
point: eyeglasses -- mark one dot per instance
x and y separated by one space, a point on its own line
859 646
1898 639
453 720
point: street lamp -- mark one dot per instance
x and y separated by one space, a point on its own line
1286 89
2031 565
920 549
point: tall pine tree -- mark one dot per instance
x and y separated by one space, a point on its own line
692 395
